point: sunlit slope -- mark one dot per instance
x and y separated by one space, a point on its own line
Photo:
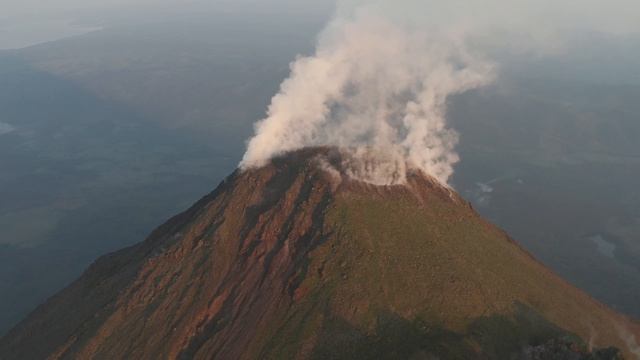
289 261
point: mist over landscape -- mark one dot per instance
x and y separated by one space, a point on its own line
114 118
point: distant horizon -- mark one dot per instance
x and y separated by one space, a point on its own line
24 25
32 34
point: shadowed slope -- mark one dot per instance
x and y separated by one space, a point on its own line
292 261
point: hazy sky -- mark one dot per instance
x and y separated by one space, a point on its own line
611 15
24 22
28 22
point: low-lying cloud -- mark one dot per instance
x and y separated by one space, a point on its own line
5 128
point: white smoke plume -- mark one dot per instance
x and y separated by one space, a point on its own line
372 84
379 81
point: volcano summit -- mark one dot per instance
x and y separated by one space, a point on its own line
295 260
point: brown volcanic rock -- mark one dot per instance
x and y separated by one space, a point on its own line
290 261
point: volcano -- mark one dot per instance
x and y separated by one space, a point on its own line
295 260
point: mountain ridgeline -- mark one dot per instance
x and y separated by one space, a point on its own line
291 261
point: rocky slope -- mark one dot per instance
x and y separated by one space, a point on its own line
293 261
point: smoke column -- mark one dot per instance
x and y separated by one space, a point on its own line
378 89
378 83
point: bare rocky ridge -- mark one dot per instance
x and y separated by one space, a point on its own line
294 261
